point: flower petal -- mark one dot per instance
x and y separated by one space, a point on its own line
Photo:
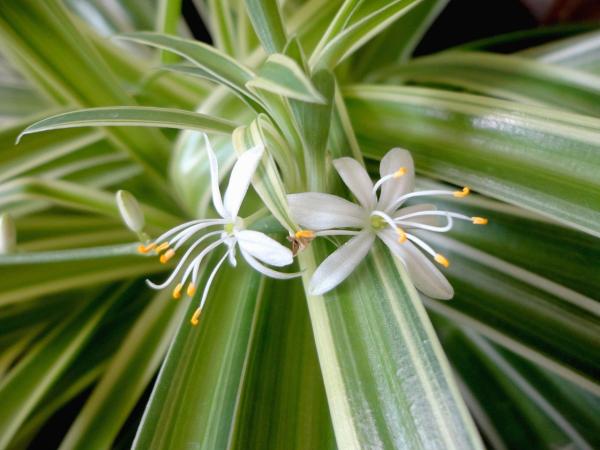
214 178
266 270
424 275
357 179
337 266
262 247
239 180
394 188
317 211
434 221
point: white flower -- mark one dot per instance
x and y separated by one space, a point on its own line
229 231
382 217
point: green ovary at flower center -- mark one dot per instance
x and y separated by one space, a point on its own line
378 223
228 228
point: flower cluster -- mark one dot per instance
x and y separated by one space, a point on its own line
228 231
379 214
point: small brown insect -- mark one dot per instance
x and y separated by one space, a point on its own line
300 240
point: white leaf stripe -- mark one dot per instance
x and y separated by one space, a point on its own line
282 75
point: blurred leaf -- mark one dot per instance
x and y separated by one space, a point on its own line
205 366
41 36
506 391
366 20
126 377
561 332
34 375
293 388
219 66
267 23
282 75
133 116
511 77
516 153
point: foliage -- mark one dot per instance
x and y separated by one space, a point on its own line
370 364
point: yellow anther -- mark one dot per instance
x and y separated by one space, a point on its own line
400 172
143 249
161 247
191 289
177 291
401 235
304 234
167 256
479 220
441 259
196 317
460 194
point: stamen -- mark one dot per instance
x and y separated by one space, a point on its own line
177 291
304 234
167 256
191 289
441 259
401 235
207 288
183 260
161 247
392 176
479 220
143 249
461 194
196 317
400 172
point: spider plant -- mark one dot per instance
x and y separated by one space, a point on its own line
109 96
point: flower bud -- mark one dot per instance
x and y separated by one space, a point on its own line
8 234
130 211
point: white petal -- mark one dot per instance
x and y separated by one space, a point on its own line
239 180
394 188
434 221
423 273
214 178
357 179
265 249
337 266
265 270
317 211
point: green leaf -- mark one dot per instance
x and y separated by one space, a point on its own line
220 66
76 196
267 23
397 43
67 255
544 411
35 374
169 13
509 77
40 37
133 117
205 366
221 26
387 380
292 388
267 182
126 377
366 21
514 152
580 52
282 75
561 331
314 121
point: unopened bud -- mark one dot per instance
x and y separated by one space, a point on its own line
130 211
8 234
